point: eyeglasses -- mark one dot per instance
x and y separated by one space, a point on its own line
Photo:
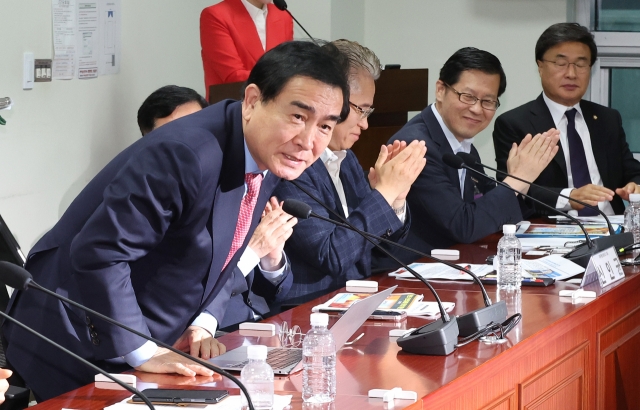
364 113
470 99
290 337
562 64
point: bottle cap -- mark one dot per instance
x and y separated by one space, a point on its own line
508 229
634 197
319 319
257 352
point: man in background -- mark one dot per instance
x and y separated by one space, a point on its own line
594 164
452 206
166 104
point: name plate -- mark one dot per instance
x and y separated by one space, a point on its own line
605 267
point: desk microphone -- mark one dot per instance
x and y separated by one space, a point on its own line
20 279
471 161
582 254
282 5
468 323
436 338
75 356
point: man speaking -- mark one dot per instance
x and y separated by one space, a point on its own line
154 237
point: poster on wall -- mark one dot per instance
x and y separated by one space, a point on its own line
87 38
64 38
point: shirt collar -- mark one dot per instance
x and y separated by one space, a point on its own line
557 110
456 146
333 158
254 11
250 165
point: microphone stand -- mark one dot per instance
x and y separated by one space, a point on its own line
437 338
75 356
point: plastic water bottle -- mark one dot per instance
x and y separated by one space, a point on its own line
632 217
509 255
319 362
257 377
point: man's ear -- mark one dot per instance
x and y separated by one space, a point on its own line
440 90
251 98
539 63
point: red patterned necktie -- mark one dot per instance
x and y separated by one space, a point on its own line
247 206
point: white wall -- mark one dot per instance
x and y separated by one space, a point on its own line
60 134
424 33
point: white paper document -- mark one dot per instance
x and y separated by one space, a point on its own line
552 266
432 271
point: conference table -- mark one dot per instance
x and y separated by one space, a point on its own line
564 354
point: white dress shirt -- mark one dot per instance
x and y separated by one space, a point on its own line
560 120
456 146
259 17
332 161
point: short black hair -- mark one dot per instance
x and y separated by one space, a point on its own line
471 58
563 33
304 59
162 102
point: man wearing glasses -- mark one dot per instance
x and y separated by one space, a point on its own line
451 206
324 256
594 163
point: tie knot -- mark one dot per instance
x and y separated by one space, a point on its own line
253 183
571 114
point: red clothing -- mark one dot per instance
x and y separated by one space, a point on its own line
230 42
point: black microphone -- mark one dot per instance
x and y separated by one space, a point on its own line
22 279
471 161
282 5
75 356
436 338
468 323
580 255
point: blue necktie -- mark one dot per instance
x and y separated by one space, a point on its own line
578 159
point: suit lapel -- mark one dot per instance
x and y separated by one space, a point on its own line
243 21
598 141
226 204
542 121
438 137
273 27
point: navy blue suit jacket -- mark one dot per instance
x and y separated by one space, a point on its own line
611 152
249 296
144 243
324 256
441 217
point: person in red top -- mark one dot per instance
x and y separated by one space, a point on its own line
234 34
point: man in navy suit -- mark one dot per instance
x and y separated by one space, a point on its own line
148 242
250 288
452 206
597 166
325 256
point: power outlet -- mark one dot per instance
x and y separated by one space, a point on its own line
42 70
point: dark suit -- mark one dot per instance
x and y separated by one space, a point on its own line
615 162
250 295
144 243
323 256
441 217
